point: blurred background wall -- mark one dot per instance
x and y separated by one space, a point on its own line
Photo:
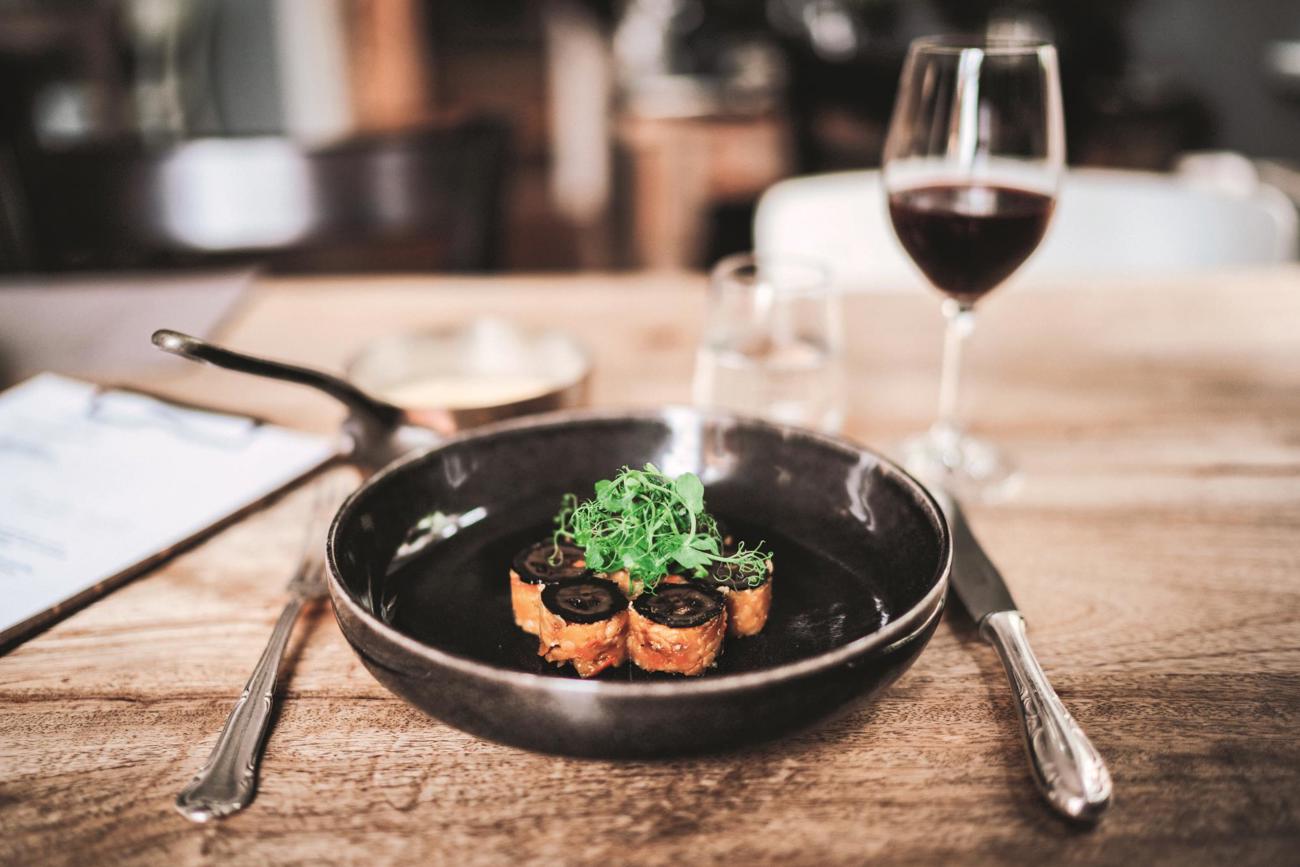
481 135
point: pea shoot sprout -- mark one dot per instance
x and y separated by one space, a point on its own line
652 525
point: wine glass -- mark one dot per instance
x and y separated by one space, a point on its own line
972 163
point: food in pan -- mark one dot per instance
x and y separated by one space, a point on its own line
748 603
584 621
648 535
678 628
536 566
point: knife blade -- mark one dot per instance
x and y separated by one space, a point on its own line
1066 767
976 580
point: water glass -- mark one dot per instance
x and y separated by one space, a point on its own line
772 343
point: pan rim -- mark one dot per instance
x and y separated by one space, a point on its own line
905 625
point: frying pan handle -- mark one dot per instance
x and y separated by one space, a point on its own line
368 409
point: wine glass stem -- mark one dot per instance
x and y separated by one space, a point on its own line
947 429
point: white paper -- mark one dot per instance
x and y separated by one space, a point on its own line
94 482
71 322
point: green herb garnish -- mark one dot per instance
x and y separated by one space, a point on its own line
651 525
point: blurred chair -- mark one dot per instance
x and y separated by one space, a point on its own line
426 200
1108 223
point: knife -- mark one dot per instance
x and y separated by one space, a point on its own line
1066 766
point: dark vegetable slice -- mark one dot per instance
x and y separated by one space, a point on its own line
731 576
583 600
680 606
533 564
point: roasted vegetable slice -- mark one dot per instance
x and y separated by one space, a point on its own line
583 621
679 628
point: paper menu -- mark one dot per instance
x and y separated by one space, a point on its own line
94 483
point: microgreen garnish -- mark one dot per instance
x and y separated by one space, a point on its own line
651 525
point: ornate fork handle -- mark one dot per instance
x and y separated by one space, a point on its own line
1066 766
228 780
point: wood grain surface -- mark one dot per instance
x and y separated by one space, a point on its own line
1154 547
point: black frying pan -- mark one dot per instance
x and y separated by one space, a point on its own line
419 557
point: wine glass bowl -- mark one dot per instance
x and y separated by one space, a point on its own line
972 163
968 239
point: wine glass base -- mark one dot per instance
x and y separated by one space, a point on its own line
964 466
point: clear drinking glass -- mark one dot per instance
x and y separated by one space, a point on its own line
772 345
972 162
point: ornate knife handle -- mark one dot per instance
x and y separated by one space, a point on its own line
227 781
1066 766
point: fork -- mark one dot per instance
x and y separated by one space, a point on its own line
227 782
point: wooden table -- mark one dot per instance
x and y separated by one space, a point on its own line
1154 548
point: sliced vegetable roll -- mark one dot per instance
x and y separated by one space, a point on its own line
748 602
678 628
531 569
584 621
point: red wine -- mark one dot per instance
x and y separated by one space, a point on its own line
969 238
